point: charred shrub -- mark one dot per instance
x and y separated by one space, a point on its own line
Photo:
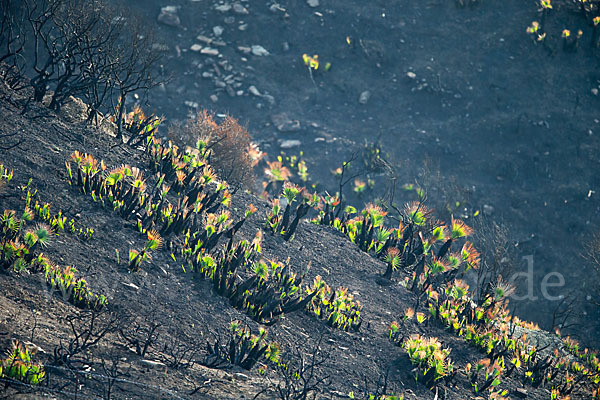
233 155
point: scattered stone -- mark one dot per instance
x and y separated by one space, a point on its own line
223 7
214 98
283 123
276 7
239 9
289 144
411 75
152 364
218 30
487 209
243 27
220 84
230 91
270 99
254 91
219 43
229 20
191 104
240 376
196 47
260 51
313 3
34 348
285 46
595 92
339 394
209 51
131 286
364 97
204 39
207 75
168 16
160 47
239 93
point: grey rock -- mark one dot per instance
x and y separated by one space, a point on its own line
152 364
260 51
487 209
270 99
196 47
230 91
191 104
276 7
239 93
223 7
168 16
289 144
214 98
243 27
244 49
254 91
239 9
160 47
131 286
220 84
284 123
240 376
207 74
218 30
229 20
34 348
364 97
204 39
209 51
313 3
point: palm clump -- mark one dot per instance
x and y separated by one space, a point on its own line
18 365
337 307
21 249
431 359
243 349
137 258
287 222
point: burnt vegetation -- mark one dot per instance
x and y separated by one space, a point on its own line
174 210
82 48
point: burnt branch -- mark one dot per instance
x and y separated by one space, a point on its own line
141 337
88 328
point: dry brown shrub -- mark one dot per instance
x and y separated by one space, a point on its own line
233 155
